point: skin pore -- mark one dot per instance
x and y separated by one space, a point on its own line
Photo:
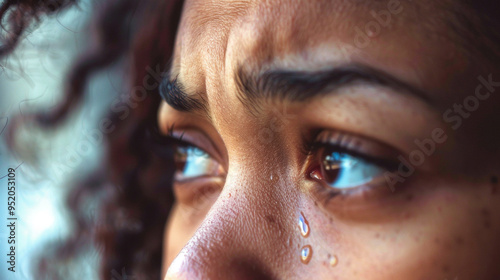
239 219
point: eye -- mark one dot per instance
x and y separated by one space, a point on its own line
344 162
341 170
192 162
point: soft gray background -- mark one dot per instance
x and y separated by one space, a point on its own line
32 78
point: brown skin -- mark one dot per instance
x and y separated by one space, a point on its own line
443 222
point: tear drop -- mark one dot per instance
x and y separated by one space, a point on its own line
303 225
306 254
333 261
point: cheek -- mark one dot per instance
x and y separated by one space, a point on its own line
439 231
446 232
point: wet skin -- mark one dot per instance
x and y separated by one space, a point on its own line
240 218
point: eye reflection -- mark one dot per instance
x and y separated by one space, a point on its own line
341 170
192 162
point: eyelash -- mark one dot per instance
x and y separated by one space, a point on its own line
312 145
343 145
312 148
387 164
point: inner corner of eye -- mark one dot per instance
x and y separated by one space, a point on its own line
315 174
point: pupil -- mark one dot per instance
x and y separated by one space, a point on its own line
180 159
331 167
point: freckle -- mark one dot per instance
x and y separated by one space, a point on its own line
407 215
446 268
377 235
331 220
270 219
315 204
417 239
459 240
437 240
409 197
440 209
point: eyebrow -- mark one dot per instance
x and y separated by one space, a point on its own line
172 91
293 86
300 86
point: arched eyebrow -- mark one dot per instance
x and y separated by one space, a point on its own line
289 85
173 93
300 86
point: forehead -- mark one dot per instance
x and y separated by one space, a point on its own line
217 37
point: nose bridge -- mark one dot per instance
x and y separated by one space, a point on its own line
243 231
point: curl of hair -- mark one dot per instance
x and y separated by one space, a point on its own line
134 182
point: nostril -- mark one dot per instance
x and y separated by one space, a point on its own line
248 269
211 269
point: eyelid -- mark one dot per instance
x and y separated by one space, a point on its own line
186 190
198 139
370 150
357 144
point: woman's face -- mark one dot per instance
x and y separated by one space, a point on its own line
331 140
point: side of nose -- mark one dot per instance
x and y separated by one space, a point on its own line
243 236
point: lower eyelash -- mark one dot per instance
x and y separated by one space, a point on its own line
326 193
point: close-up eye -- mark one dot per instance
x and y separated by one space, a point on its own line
192 162
345 162
341 170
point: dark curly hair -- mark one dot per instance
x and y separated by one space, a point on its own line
133 183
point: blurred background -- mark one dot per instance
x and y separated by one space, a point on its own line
48 163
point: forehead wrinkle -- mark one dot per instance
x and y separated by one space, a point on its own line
204 38
201 44
270 39
209 24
